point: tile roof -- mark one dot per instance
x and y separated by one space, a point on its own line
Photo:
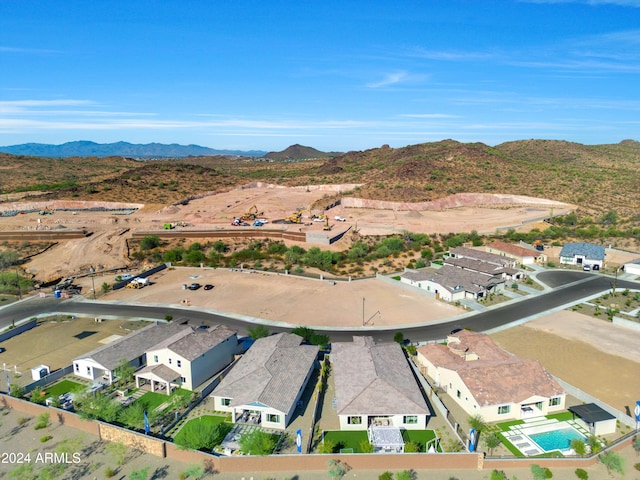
481 255
374 379
196 342
271 372
479 266
513 249
496 376
133 345
160 371
590 251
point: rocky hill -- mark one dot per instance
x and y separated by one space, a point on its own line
298 152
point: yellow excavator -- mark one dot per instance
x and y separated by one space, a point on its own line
326 225
252 214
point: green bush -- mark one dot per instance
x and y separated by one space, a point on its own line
385 476
46 438
582 474
109 472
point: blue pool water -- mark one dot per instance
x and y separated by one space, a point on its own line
556 439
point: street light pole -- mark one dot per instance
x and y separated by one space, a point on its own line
93 282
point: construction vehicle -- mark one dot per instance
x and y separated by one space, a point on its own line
538 245
138 283
295 217
251 214
167 226
326 226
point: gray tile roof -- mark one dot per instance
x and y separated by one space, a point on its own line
479 266
190 344
588 250
462 252
133 345
271 373
454 279
374 379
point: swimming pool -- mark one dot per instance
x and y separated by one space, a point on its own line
556 439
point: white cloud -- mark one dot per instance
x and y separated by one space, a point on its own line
396 78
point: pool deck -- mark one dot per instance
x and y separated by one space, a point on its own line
518 435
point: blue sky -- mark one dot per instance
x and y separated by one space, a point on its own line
335 75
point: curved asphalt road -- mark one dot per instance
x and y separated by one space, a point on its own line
568 287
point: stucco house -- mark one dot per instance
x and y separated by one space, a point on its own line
452 284
375 386
522 255
632 268
266 384
483 256
188 358
100 364
582 254
486 380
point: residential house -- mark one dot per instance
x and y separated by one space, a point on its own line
581 253
375 386
484 268
485 380
452 284
188 358
266 384
481 255
100 364
632 268
522 255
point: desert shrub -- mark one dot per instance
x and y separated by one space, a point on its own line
109 472
46 438
149 242
327 446
411 447
582 474
366 447
385 476
22 420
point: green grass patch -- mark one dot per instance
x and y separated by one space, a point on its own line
562 416
153 400
421 437
504 426
65 386
344 439
198 423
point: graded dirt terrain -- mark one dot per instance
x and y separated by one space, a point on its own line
106 247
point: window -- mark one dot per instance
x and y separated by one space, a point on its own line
225 402
77 367
183 379
355 420
155 358
502 409
555 401
272 417
179 363
88 370
169 361
410 419
458 394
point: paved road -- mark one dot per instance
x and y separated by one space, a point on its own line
568 287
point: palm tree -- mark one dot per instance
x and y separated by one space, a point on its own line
478 424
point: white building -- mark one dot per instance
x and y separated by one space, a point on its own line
188 358
375 387
266 384
485 380
582 254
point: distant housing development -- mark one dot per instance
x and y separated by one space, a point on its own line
484 379
266 384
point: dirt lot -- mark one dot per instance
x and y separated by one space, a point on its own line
291 299
55 343
593 355
106 247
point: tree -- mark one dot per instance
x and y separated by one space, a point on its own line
385 476
399 338
199 436
257 443
259 331
366 447
412 447
613 461
478 424
99 407
105 287
124 371
133 415
492 441
327 446
36 396
149 242
8 258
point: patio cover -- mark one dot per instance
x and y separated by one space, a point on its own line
386 437
591 413
158 373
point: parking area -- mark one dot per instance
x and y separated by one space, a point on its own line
56 342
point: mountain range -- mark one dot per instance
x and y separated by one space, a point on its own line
85 148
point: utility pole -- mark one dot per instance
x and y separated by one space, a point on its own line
93 283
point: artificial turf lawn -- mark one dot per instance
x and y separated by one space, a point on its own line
65 386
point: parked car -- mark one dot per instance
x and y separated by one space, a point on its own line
2 349
194 286
586 268
208 286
